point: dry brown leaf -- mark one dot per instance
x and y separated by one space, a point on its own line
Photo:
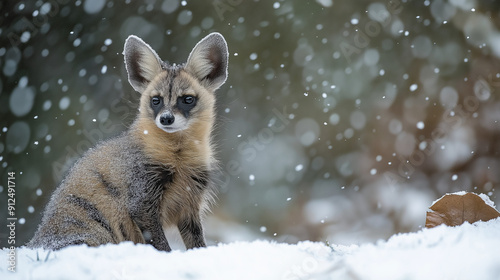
454 210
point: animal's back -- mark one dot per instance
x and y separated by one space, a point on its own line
89 206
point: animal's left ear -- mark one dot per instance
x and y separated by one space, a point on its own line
208 61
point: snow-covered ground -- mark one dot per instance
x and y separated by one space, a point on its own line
463 252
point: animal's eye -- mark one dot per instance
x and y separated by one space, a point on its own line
156 100
188 99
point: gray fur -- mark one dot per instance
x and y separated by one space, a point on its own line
145 183
121 190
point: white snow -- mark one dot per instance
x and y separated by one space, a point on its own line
93 6
413 87
21 100
169 6
483 196
18 136
463 252
449 97
64 103
487 200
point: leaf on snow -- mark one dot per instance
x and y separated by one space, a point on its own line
455 209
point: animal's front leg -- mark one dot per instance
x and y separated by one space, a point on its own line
144 202
192 232
153 234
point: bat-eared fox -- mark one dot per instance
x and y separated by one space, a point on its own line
156 174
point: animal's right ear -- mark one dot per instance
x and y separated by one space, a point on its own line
141 61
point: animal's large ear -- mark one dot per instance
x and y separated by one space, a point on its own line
141 61
208 61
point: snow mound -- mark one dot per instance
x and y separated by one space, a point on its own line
463 252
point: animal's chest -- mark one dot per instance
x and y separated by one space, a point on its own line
183 195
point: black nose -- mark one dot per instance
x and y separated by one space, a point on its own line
167 119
